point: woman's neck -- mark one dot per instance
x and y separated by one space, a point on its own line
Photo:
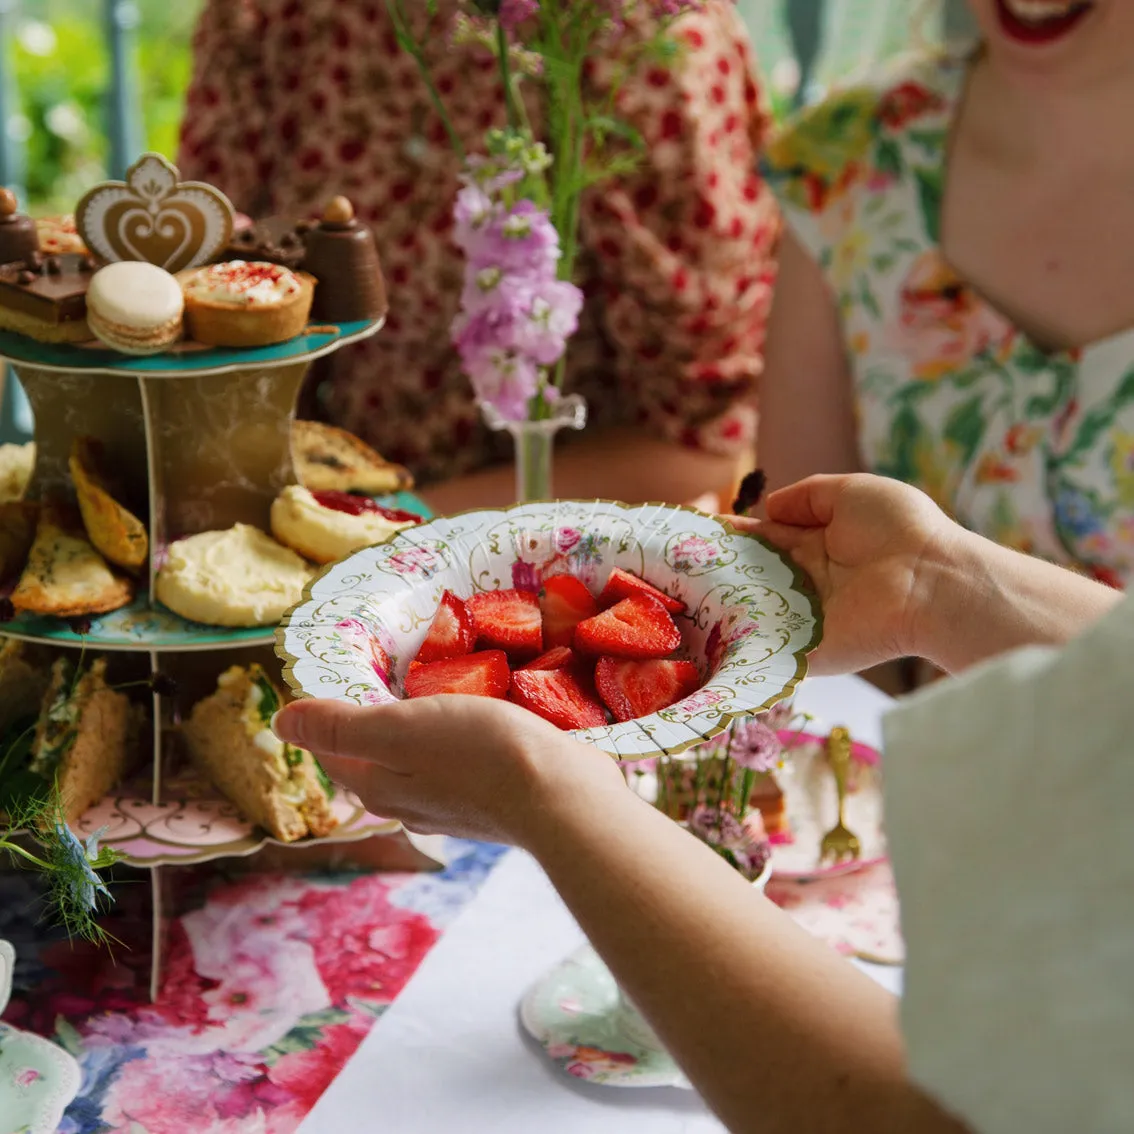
1026 120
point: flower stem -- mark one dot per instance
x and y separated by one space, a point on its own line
502 49
410 45
15 848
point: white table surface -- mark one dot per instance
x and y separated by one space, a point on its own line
450 1057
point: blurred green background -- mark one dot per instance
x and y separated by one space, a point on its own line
61 67
61 72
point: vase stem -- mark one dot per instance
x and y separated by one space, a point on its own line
533 463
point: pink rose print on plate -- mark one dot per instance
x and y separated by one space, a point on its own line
566 539
693 552
355 635
26 1077
416 561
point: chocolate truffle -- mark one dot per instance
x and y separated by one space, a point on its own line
274 241
19 238
342 256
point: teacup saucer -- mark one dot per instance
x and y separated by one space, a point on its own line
37 1078
578 1015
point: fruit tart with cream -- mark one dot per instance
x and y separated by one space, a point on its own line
327 526
246 303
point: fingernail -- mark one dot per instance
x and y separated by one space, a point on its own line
272 723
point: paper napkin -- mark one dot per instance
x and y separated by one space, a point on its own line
1010 810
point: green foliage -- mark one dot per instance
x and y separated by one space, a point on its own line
62 71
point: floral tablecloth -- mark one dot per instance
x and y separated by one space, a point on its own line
271 983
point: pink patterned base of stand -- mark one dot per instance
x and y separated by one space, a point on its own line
190 830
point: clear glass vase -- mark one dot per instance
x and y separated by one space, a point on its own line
535 444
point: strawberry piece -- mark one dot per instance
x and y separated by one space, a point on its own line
508 620
633 689
623 584
451 633
636 627
558 658
557 696
565 603
477 675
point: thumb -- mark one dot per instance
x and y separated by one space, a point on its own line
332 728
809 503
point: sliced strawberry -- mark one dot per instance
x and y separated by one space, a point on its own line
478 675
558 658
637 627
633 689
557 696
622 584
508 620
565 603
451 633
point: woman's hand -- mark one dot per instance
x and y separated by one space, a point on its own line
876 550
466 766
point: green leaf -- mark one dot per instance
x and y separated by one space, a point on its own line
929 188
306 1034
906 433
965 426
888 158
1098 421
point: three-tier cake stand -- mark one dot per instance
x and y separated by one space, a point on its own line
203 438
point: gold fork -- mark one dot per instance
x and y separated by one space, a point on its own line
839 843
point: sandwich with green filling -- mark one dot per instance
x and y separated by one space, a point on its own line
87 736
276 785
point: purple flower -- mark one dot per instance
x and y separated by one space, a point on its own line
754 746
515 12
744 845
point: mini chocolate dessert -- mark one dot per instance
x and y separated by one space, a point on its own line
19 237
277 242
45 297
342 256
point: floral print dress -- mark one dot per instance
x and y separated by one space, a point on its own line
1032 448
293 101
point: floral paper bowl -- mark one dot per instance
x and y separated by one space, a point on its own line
749 622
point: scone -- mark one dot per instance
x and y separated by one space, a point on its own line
17 530
16 465
87 736
245 303
24 677
238 577
115 531
65 576
276 785
328 459
327 526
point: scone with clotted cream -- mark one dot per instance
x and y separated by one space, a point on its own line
327 526
16 465
237 577
276 785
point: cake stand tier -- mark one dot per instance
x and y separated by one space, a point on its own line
153 629
183 830
186 359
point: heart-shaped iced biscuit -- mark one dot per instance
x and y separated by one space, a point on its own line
153 216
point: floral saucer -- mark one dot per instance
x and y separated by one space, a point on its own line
585 1023
811 810
37 1078
578 1015
749 619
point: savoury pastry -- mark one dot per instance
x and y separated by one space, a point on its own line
328 526
238 577
16 465
276 785
114 531
65 576
328 459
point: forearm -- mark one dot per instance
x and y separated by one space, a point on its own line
986 599
609 464
776 1030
